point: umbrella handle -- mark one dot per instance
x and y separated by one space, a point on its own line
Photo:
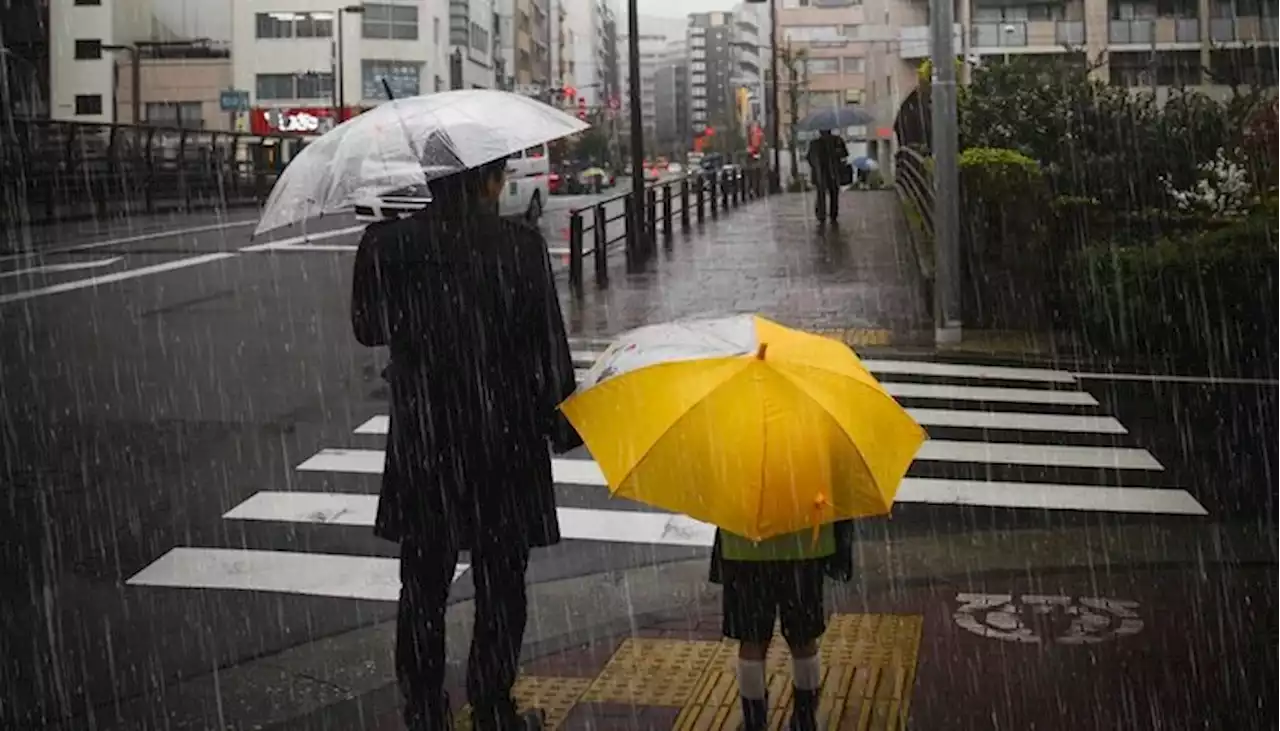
818 502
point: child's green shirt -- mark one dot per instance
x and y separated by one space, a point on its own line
798 546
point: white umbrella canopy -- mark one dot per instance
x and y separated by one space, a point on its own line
409 142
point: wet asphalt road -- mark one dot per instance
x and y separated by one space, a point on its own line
141 409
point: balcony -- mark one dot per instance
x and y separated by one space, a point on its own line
914 42
1243 29
1153 31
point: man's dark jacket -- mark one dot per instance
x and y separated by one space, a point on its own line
479 364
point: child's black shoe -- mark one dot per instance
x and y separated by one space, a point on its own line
755 714
804 711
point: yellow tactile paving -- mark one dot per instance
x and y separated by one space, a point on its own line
652 672
868 660
555 696
869 664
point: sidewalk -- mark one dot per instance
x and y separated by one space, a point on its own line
771 257
1047 650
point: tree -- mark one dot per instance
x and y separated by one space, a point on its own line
797 75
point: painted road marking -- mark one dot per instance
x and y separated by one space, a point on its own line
130 239
379 425
98 281
1046 455
1018 421
931 491
169 265
991 394
959 370
65 267
574 471
1083 621
295 241
312 574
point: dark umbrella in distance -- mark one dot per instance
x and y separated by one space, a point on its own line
836 118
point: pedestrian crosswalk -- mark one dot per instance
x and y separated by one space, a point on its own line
1001 437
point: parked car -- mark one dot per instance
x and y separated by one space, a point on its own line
524 196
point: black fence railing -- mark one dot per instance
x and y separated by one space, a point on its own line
593 231
60 171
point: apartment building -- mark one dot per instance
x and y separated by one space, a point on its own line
523 61
751 54
711 39
586 26
655 37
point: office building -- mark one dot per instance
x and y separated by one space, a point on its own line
711 39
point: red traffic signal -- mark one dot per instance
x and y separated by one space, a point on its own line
582 114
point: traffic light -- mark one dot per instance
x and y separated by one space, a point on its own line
582 108
570 94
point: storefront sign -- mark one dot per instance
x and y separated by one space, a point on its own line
296 120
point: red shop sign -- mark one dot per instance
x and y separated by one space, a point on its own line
294 120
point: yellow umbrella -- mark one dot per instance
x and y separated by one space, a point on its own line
745 424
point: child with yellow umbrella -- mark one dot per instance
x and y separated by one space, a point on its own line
772 435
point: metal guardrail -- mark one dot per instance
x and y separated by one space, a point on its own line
913 180
719 193
60 171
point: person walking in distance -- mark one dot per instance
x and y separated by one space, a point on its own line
466 303
826 156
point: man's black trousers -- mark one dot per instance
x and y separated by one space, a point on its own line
501 607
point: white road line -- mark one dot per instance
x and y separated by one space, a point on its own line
990 394
294 241
354 509
70 266
378 425
1046 455
133 239
1019 421
1049 496
1171 378
311 574
960 370
587 472
113 277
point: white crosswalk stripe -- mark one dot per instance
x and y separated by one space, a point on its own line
1041 421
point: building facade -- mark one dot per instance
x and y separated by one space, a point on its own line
713 99
307 66
672 126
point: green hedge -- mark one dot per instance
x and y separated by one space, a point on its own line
1208 298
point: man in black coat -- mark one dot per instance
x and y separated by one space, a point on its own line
467 303
826 158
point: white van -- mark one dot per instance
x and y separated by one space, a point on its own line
525 194
528 184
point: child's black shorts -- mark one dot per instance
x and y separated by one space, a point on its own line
756 593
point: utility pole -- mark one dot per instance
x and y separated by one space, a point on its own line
634 258
946 175
775 179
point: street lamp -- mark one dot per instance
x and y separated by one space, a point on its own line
338 86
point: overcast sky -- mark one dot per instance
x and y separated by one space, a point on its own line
677 8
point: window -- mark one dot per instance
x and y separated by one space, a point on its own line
88 104
404 78
393 22
479 37
314 85
185 115
854 65
88 2
793 4
435 31
851 31
294 25
439 83
810 33
87 50
824 65
294 86
314 25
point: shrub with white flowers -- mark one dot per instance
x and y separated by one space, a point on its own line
1222 188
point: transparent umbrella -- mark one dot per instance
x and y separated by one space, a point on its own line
408 142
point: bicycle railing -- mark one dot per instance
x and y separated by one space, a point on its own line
688 196
913 181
